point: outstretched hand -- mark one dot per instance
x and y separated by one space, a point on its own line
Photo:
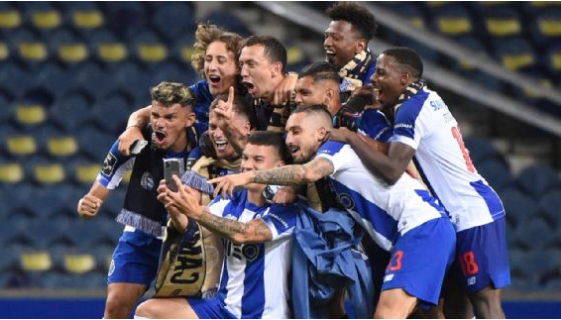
227 184
341 134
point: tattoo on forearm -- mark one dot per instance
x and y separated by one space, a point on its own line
286 176
226 227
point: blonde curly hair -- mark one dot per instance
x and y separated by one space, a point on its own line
169 93
209 33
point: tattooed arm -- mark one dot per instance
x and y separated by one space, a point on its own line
254 231
287 175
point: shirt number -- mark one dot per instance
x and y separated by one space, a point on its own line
458 136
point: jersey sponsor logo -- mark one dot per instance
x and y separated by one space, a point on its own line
111 268
109 164
347 201
388 277
471 281
279 219
403 125
437 105
147 181
248 252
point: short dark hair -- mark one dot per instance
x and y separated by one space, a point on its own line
316 109
358 16
169 93
273 139
240 106
274 49
407 57
321 71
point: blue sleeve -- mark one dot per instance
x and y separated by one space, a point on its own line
114 167
376 126
281 220
406 115
330 148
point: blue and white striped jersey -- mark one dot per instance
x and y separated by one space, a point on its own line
254 282
424 123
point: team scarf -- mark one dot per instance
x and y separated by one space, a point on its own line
411 90
353 72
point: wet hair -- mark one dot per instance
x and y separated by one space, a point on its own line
320 71
207 34
407 57
358 16
241 106
274 49
273 139
320 110
169 93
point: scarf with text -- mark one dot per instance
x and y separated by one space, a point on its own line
353 72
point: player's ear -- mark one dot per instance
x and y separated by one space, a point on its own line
191 117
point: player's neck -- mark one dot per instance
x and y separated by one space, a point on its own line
256 198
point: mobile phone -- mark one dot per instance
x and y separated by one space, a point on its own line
171 167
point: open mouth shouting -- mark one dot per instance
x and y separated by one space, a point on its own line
250 87
159 138
214 80
221 145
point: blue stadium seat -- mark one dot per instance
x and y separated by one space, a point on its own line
182 49
503 22
496 173
476 45
228 21
545 27
10 259
148 49
47 202
42 233
10 17
452 20
135 82
519 206
57 81
176 73
538 179
536 234
17 81
96 81
11 230
514 53
71 112
89 233
174 20
95 143
42 15
481 149
125 18
107 48
536 264
550 205
516 259
111 113
85 16
103 255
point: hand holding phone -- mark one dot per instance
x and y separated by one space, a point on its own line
171 167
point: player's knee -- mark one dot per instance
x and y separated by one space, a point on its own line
146 310
118 306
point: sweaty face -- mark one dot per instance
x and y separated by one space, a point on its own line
256 157
389 81
223 148
302 137
220 68
168 124
257 73
340 43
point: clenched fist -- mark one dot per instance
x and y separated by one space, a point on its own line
89 206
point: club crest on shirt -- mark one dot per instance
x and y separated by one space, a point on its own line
109 164
147 182
346 200
248 252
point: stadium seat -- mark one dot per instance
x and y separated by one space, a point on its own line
174 20
79 263
94 143
125 18
49 173
43 15
107 47
537 263
519 207
97 82
47 202
148 48
89 233
135 82
553 58
16 80
58 82
6 114
21 145
535 234
176 73
183 48
228 21
43 233
452 20
11 230
537 180
550 206
71 112
68 47
481 149
62 146
502 22
111 113
472 43
11 172
10 17
84 15
86 173
496 173
10 259
103 255
36 261
5 51
514 53
30 114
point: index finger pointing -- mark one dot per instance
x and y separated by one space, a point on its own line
231 96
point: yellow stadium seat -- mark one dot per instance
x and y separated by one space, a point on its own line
4 51
503 27
550 27
152 52
34 51
75 52
454 25
86 173
187 53
36 261
46 19
556 61
517 61
30 114
88 19
21 145
532 94
10 19
294 55
79 263
49 173
11 173
417 22
112 52
62 146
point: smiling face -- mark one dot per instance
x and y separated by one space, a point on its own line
220 68
169 123
222 147
390 79
304 136
259 75
341 43
310 92
259 157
